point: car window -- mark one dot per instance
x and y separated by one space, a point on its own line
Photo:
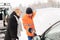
54 33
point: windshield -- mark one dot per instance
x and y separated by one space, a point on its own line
54 32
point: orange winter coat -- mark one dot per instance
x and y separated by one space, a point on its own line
28 21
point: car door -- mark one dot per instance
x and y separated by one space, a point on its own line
52 33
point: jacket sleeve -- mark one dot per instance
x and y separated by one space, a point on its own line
13 27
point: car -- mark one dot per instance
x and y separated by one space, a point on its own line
4 13
5 10
52 33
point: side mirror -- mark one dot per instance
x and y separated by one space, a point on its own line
37 37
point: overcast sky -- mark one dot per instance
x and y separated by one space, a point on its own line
15 3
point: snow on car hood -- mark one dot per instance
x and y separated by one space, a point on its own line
45 18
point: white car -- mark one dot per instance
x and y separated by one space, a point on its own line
52 33
4 12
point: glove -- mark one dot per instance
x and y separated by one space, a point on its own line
30 30
35 34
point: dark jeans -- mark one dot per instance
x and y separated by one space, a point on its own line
30 38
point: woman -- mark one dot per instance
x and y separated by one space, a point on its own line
11 33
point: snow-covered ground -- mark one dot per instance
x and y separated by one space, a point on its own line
44 19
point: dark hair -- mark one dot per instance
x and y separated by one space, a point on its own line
29 10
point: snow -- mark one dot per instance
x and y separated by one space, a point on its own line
45 18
